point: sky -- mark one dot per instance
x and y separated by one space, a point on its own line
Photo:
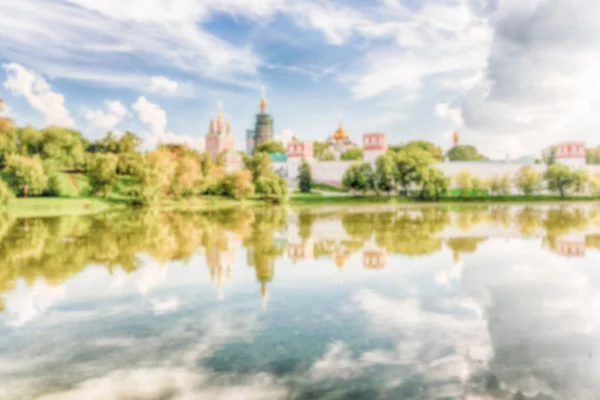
512 76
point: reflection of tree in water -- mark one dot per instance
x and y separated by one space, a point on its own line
412 232
54 249
561 221
465 244
359 226
529 220
466 218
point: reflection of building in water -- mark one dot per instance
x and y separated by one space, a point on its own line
572 245
220 257
301 251
375 259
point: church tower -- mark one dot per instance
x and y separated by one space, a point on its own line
219 137
263 130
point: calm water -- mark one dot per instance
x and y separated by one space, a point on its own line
382 303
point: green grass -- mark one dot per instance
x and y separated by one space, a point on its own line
312 198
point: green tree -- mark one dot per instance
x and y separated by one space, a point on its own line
353 154
319 149
327 156
384 173
410 164
477 184
129 143
436 152
464 183
305 177
528 180
66 146
102 173
581 181
271 187
8 144
559 178
270 147
359 177
549 155
433 184
29 140
24 171
464 152
6 193
260 165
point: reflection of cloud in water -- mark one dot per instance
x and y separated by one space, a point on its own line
172 383
164 306
151 275
165 366
443 348
34 302
544 323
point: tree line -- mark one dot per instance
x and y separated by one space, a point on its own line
412 170
50 161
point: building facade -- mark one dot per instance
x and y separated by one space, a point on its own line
263 129
220 140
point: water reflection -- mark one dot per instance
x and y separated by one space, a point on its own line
477 302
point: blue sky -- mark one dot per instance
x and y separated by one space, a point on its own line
512 76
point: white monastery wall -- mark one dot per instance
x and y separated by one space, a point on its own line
330 172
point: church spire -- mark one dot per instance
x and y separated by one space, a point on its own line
220 118
264 292
263 101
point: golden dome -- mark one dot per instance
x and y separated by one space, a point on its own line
340 134
455 137
263 105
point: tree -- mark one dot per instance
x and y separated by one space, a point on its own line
129 143
435 151
327 156
359 177
355 153
238 184
6 193
477 185
8 144
384 173
260 165
464 152
581 180
559 178
464 183
188 176
433 184
66 146
410 163
103 173
549 155
305 177
319 148
29 140
527 180
272 187
270 147
24 171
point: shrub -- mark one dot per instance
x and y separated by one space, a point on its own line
238 184
24 171
305 177
6 193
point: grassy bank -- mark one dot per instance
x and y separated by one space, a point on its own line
56 206
316 199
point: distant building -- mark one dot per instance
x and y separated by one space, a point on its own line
572 154
263 129
339 142
220 139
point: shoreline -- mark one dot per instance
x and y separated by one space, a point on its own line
45 207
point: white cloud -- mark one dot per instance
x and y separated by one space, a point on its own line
155 118
165 306
162 84
27 83
100 122
285 136
445 112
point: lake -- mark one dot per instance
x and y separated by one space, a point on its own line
479 302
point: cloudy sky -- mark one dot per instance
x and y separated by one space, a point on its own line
511 75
